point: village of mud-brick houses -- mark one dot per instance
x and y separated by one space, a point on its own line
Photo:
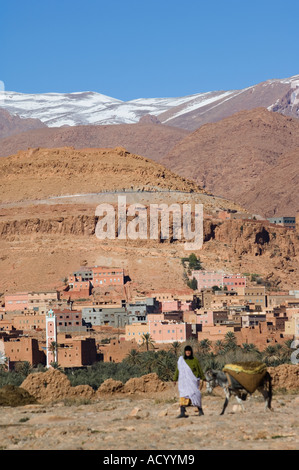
92 317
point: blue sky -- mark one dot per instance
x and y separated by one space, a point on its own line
132 49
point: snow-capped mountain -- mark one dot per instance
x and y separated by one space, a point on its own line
58 109
188 112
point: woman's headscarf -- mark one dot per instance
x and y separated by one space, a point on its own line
188 348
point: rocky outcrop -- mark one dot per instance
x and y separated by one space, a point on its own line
54 385
38 174
149 383
285 376
256 238
69 225
146 384
110 386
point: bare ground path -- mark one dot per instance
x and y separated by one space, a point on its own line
150 423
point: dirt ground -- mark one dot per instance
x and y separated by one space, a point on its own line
149 422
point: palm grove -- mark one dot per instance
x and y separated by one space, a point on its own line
147 359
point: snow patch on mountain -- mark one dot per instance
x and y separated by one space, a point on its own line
82 108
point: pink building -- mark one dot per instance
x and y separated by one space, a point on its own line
168 332
6 325
77 284
212 317
77 288
215 333
186 306
231 281
18 301
170 305
207 279
71 319
105 276
190 317
176 317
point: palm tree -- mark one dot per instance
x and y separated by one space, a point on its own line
175 348
53 349
279 350
219 346
165 366
148 341
56 366
249 347
149 361
230 340
270 354
204 346
133 358
24 368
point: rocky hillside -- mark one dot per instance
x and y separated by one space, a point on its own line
276 95
47 216
48 221
147 138
255 247
12 124
41 244
41 173
250 157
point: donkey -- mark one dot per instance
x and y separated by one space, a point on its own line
231 386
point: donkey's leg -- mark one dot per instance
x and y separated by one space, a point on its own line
240 402
267 394
227 397
264 392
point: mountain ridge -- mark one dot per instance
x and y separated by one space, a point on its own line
187 112
234 157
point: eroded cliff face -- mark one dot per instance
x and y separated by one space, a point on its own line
81 225
61 242
254 238
254 247
242 236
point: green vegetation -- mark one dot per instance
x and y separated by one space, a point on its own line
148 341
140 362
136 364
192 283
192 262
